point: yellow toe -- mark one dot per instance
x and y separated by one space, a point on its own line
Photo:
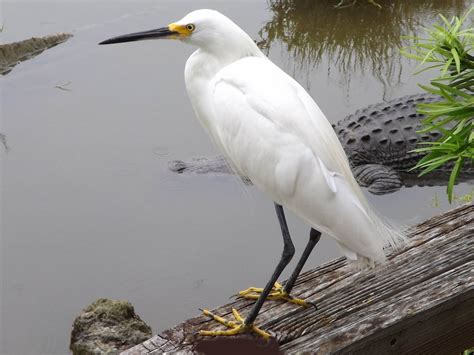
276 293
237 327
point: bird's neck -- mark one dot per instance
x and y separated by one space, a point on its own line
207 61
228 52
222 50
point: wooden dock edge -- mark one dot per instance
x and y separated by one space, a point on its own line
420 302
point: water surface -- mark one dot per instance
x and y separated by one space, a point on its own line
89 208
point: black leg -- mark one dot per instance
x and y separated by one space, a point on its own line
314 237
288 252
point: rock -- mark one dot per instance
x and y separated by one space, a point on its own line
107 327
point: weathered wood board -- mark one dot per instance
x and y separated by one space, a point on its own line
420 302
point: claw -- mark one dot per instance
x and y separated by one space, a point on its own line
276 293
237 327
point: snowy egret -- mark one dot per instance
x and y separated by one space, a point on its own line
270 130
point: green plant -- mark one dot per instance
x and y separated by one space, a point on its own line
467 198
447 47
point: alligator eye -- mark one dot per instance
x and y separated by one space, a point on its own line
190 27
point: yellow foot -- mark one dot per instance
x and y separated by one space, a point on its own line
237 327
277 293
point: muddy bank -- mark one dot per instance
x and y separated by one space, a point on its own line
13 53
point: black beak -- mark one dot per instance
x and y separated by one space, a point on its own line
138 36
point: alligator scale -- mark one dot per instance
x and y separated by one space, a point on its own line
378 141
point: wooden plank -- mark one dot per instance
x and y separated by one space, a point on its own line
420 302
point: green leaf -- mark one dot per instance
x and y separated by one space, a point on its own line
445 20
453 90
466 15
423 45
449 48
428 68
446 66
434 163
438 143
426 159
455 29
412 56
429 90
453 177
430 167
435 126
456 59
441 148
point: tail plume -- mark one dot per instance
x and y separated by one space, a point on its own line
394 235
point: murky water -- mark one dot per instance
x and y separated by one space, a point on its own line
89 208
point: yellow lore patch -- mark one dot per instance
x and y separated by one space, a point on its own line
181 29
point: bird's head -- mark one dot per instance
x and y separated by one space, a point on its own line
203 28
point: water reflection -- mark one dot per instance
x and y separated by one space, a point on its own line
359 38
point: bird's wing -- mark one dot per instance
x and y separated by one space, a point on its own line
274 133
255 94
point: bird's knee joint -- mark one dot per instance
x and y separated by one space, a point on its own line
314 235
288 252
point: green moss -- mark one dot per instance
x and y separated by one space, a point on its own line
112 309
107 326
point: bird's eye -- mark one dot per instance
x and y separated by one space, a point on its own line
190 27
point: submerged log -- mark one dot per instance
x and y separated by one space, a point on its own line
420 302
13 53
3 140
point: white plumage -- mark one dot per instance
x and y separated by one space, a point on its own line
273 132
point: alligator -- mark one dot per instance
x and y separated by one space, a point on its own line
13 53
379 142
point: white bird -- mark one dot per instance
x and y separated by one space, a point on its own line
271 131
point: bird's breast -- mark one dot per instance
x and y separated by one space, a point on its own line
199 73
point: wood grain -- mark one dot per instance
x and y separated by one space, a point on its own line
420 302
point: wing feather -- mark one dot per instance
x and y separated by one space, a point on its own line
273 132
256 93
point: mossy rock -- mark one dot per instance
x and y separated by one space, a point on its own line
107 327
